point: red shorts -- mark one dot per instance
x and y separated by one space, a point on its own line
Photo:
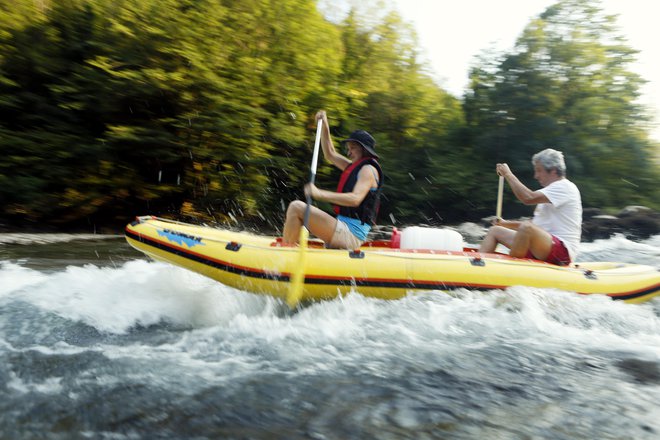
558 253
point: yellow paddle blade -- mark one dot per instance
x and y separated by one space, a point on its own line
298 273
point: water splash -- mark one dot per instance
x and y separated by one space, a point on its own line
154 344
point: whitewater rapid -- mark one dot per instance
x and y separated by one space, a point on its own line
116 346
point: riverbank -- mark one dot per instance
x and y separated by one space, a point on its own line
634 222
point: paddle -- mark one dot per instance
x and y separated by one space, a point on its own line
500 190
298 274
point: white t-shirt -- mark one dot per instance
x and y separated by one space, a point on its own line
562 217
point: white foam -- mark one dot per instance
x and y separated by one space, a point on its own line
51 385
137 293
224 327
592 319
423 328
14 277
619 248
235 335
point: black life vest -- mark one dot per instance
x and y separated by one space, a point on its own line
368 209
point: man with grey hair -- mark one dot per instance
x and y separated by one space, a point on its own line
554 233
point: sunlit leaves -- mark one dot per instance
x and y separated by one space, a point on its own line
112 108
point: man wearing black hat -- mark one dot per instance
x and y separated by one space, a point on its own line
356 200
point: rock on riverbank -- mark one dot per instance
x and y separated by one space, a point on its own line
632 221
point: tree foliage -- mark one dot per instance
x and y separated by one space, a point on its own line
567 85
204 108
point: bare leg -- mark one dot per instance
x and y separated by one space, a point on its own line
497 234
293 222
321 224
531 238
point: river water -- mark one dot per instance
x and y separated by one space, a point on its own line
97 342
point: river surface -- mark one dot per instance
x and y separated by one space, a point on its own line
98 342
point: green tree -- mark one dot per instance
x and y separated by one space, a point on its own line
205 108
144 105
567 85
414 121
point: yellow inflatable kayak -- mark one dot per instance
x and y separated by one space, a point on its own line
382 269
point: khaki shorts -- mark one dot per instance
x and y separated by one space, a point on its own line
343 238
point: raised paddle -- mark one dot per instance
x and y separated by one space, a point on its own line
500 190
298 274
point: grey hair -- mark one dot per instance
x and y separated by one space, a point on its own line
551 159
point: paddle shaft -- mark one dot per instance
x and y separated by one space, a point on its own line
500 191
312 174
298 274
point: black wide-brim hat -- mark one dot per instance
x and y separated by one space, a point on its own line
365 139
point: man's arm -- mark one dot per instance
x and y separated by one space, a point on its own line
522 193
509 224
